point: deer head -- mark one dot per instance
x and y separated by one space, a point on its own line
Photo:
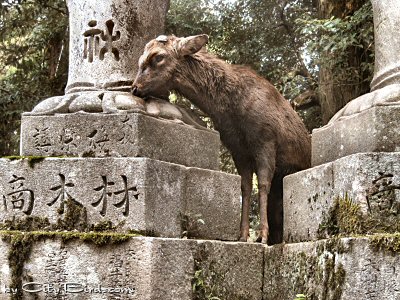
161 60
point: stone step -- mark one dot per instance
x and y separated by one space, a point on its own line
127 194
124 134
84 266
357 194
116 266
342 269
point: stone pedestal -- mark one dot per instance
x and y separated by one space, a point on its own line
374 130
119 135
371 182
104 266
138 268
133 194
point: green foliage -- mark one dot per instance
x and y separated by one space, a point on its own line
200 288
33 60
261 34
300 297
329 42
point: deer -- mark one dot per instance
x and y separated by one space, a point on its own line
263 133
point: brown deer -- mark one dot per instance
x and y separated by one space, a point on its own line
257 125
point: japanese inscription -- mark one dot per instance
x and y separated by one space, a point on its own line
93 37
21 194
63 194
56 273
41 139
381 197
67 139
128 193
21 198
119 274
98 139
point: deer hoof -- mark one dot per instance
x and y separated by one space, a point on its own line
262 240
243 239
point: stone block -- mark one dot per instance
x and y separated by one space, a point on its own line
139 268
134 194
202 204
345 269
373 130
230 270
121 135
307 195
371 182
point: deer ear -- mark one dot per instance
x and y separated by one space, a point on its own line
192 44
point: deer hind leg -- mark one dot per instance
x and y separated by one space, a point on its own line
265 168
246 186
275 211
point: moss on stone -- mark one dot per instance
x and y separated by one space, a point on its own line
103 226
21 244
19 252
26 224
32 160
385 242
314 272
74 216
345 218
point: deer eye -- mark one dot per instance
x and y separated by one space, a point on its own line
158 58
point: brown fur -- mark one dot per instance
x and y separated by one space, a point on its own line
258 126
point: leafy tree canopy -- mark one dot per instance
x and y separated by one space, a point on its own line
33 60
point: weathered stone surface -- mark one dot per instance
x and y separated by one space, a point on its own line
307 195
371 180
230 270
133 134
143 268
373 130
202 204
344 269
136 194
387 43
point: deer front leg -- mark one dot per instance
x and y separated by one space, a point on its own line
263 191
265 168
246 185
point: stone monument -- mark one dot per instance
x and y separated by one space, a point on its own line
120 198
109 188
352 191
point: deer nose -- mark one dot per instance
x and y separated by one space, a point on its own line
135 90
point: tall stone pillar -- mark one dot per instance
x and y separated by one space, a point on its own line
107 39
387 46
369 123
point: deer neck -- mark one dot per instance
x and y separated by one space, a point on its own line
203 80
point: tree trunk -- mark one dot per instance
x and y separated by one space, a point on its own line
335 90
